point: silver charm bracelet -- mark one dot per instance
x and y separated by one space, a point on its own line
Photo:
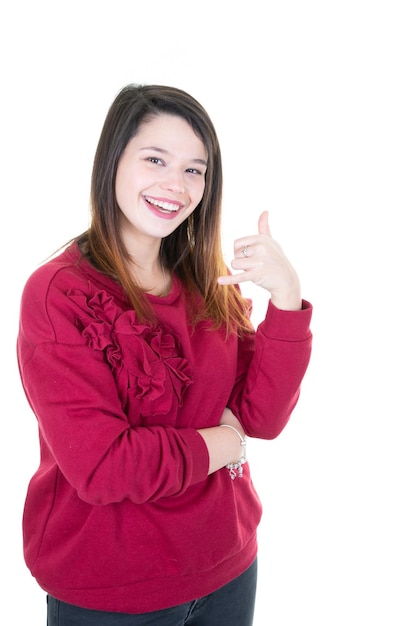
236 468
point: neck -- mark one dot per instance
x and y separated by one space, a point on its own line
154 279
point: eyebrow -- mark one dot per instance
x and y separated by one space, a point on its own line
162 151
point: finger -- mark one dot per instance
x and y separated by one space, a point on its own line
232 279
245 251
241 247
263 224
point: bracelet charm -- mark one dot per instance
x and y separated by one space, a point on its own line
236 468
232 467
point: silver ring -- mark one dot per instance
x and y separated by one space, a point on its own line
245 251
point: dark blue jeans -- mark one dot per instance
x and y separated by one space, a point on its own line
232 605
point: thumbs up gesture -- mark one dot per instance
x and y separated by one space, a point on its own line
262 261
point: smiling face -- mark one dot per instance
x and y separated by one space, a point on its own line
160 179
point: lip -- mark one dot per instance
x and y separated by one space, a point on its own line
160 211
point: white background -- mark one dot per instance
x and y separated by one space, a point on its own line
315 106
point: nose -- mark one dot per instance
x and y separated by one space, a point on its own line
174 181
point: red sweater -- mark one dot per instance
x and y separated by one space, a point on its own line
121 515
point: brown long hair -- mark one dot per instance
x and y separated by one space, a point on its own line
193 251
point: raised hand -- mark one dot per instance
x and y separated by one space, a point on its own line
262 261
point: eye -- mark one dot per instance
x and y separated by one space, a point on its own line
155 160
191 170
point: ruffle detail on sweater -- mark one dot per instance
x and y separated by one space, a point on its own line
145 360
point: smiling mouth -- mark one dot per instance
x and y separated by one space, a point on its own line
169 207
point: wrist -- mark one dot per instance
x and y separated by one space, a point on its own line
235 467
288 298
287 303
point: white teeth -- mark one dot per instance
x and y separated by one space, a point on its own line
166 206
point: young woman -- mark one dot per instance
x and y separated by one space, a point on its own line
145 375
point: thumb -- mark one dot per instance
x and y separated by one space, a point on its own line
263 224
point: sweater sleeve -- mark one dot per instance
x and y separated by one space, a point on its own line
271 366
83 428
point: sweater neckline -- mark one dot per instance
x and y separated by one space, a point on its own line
168 299
171 296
